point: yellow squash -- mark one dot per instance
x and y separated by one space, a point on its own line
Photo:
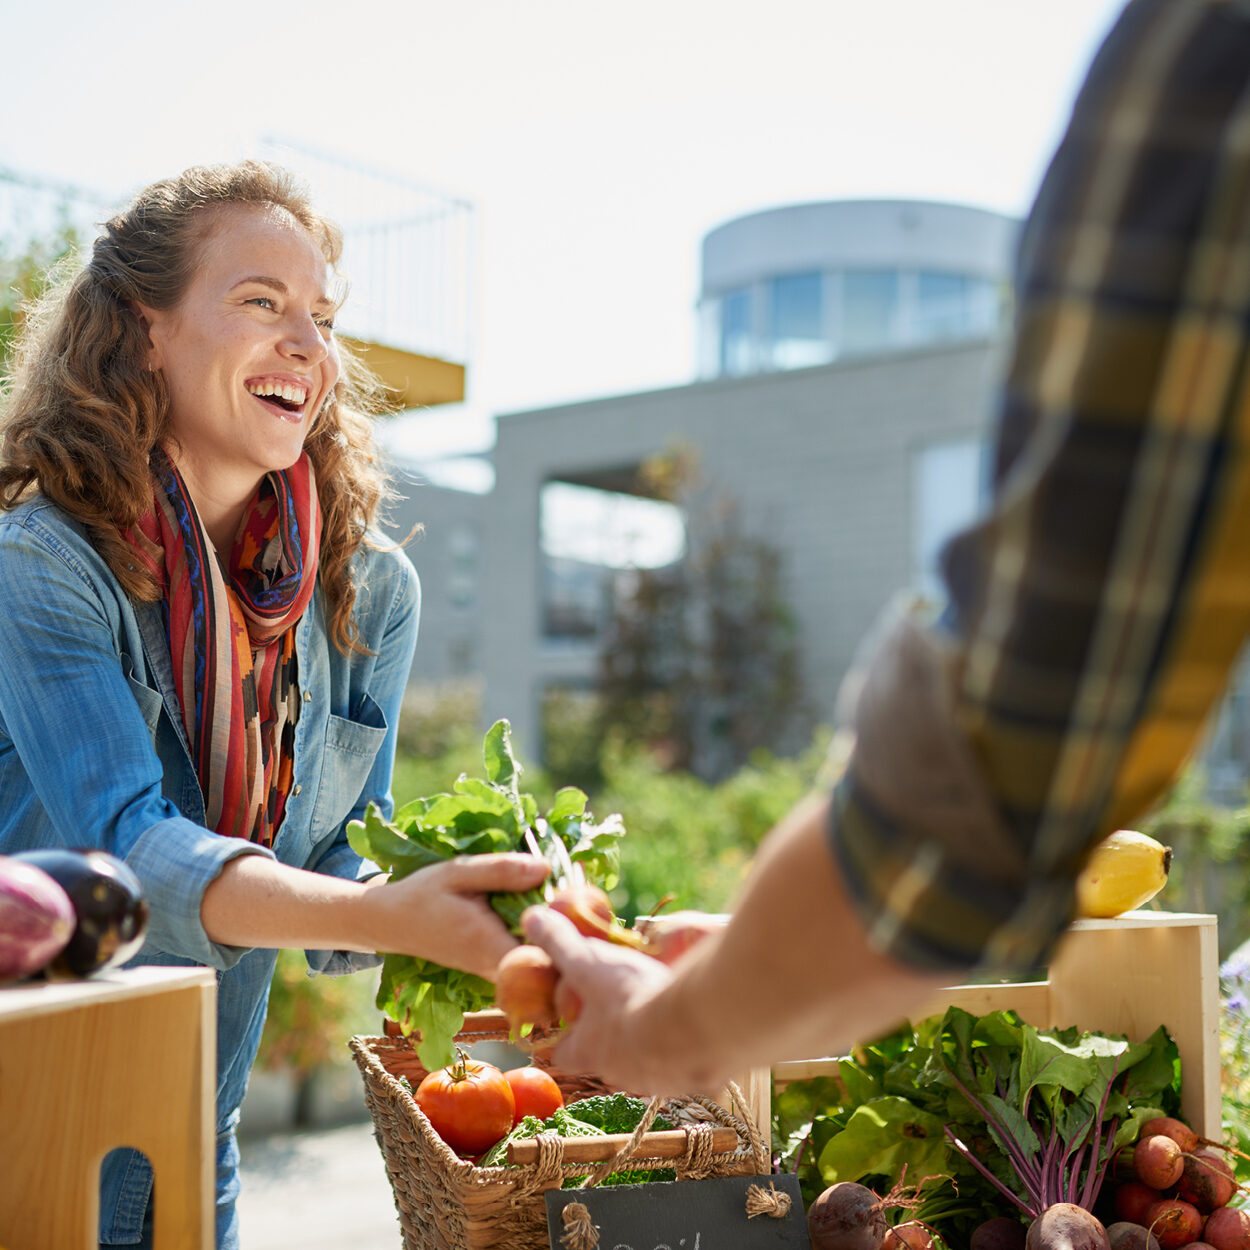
1126 870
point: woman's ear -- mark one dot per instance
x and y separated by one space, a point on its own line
146 318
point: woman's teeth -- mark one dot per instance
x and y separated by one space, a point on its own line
295 395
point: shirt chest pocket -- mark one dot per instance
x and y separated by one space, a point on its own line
351 747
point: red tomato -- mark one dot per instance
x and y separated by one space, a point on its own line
470 1104
534 1092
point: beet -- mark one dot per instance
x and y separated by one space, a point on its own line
1125 1235
1132 1200
847 1216
912 1235
36 919
1065 1226
1158 1160
1207 1181
1174 1223
999 1233
111 914
1177 1130
1228 1228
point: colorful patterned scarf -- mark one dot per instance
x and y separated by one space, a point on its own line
232 637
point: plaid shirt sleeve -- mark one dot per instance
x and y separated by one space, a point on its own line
1095 612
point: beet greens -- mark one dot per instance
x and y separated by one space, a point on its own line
982 1112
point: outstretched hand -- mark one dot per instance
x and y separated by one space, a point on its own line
442 914
615 985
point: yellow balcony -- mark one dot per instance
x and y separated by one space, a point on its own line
411 379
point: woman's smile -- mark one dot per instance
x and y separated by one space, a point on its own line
248 356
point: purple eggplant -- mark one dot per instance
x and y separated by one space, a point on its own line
111 914
36 919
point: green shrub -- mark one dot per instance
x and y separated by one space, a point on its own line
691 839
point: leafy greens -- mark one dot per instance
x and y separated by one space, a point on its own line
982 1113
476 817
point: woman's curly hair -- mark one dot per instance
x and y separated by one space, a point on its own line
82 413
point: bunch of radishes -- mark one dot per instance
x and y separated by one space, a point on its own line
1179 1186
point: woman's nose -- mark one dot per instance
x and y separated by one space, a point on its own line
305 340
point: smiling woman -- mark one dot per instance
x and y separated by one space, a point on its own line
203 642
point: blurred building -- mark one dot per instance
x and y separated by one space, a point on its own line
848 354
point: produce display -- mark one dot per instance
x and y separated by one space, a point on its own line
472 1107
428 1000
107 914
984 1132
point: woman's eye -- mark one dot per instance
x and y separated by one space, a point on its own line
263 300
326 323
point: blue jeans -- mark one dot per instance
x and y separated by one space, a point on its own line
126 1197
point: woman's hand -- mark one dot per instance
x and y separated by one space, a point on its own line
440 913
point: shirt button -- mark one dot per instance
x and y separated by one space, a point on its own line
307 696
296 789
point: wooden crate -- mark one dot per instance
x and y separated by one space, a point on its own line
1127 975
124 1058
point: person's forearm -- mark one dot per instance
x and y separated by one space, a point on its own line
256 901
791 976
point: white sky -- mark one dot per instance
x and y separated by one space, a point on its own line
598 144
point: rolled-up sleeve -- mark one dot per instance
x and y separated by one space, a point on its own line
1096 611
70 716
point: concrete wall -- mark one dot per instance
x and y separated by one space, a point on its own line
819 460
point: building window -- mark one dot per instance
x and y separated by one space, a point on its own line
870 310
588 536
737 336
950 487
796 321
462 565
953 306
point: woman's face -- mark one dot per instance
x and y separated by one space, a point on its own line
248 354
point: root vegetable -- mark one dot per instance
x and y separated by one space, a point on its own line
1158 1161
1228 1228
525 986
590 910
999 1233
1207 1180
1065 1226
1177 1130
1132 1200
847 1216
1126 1235
1174 1223
912 1235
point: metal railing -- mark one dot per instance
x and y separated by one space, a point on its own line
407 248
407 251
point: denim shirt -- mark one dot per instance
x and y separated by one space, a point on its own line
93 753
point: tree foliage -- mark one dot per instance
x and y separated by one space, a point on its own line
701 658
25 266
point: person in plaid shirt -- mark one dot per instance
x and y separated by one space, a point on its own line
1094 612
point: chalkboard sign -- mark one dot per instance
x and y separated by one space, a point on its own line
686 1215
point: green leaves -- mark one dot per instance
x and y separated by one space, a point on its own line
975 1109
477 817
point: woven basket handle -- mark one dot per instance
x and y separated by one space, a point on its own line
666 1144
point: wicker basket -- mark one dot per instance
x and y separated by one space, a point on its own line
449 1203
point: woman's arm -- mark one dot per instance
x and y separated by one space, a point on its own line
439 913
